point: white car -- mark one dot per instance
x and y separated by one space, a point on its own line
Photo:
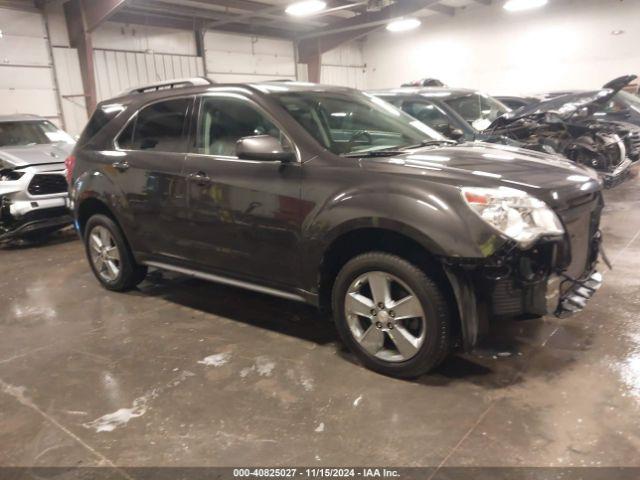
33 187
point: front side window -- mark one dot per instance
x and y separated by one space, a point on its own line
478 110
159 127
225 119
346 123
31 132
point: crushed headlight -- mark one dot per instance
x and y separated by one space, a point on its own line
514 213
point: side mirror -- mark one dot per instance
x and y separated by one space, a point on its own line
264 148
455 134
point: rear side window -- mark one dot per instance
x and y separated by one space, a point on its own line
159 127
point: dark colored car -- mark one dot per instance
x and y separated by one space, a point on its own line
566 127
457 113
593 128
335 198
620 107
515 102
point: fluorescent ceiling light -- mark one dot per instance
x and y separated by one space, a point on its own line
403 24
519 5
305 8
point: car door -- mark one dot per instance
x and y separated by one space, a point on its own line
148 164
244 215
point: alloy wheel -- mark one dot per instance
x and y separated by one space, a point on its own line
385 316
104 253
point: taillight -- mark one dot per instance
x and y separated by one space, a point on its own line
69 165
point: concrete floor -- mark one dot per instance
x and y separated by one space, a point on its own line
187 373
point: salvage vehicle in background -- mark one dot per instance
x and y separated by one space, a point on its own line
335 198
623 106
590 128
33 188
457 113
567 125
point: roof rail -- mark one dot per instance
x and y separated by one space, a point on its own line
169 84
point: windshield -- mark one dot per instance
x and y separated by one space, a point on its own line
347 123
477 109
31 132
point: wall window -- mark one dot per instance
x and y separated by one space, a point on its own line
160 127
225 120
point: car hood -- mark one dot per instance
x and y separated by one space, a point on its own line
24 156
566 105
488 165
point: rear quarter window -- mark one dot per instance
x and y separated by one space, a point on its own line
100 119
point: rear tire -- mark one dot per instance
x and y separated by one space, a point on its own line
391 315
109 255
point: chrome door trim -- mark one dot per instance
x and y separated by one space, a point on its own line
228 281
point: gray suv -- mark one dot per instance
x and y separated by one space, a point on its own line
335 198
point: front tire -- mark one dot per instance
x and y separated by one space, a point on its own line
110 256
391 315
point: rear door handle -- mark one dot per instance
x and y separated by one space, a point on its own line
200 178
122 166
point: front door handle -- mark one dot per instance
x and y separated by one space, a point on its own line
122 165
200 178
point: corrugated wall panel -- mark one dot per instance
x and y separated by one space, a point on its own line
26 74
344 66
117 71
241 58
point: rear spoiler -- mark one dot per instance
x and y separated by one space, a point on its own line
169 84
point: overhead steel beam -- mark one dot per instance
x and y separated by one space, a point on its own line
207 17
186 23
252 7
97 12
443 9
373 19
246 16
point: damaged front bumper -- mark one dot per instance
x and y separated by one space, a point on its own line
33 200
618 176
516 284
576 294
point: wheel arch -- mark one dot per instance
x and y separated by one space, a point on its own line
93 206
351 243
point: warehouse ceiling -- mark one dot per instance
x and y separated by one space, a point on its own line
268 17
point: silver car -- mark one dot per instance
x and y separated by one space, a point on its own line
33 187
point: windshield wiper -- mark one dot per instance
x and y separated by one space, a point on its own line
427 143
373 153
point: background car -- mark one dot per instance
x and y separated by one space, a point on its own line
457 113
515 102
569 125
33 188
622 106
